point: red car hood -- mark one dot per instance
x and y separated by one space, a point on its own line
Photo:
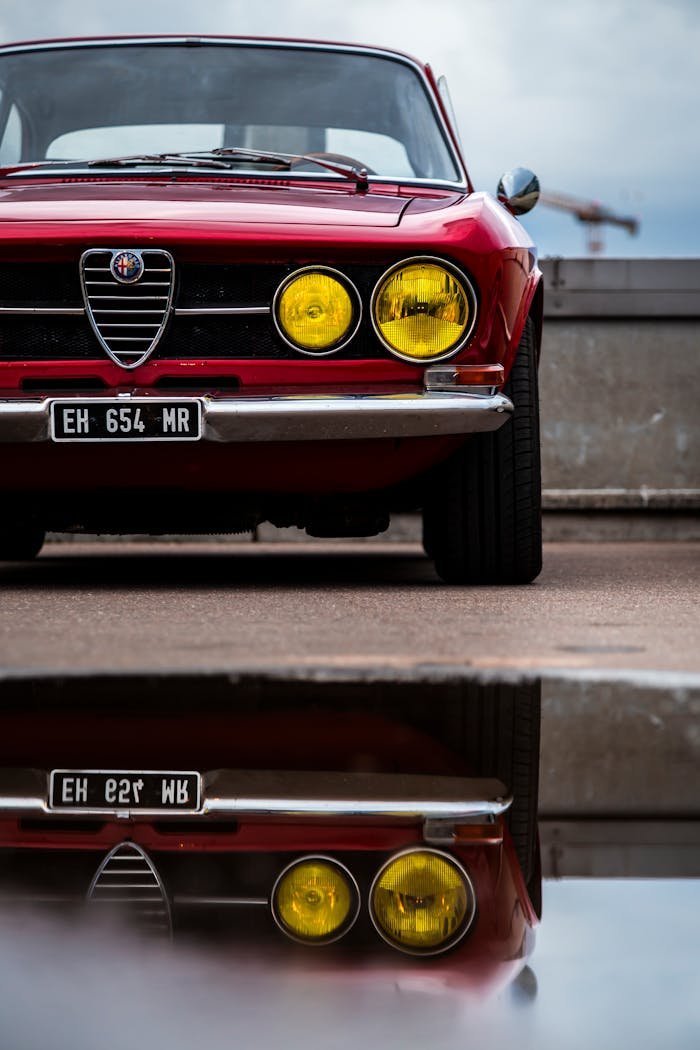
222 203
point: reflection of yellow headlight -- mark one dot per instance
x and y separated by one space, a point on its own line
422 311
315 900
422 902
315 311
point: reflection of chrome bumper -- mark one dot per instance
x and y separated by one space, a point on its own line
304 417
248 793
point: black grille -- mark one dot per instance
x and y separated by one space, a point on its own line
40 284
208 285
242 337
245 337
48 339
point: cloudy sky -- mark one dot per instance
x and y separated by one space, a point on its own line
599 97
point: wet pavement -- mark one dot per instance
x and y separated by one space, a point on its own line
615 966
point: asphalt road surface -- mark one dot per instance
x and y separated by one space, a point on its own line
157 606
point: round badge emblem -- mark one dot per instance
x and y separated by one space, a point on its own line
126 267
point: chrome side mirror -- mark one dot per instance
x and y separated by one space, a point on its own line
519 190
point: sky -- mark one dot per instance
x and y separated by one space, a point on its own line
599 98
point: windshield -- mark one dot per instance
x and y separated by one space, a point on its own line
85 102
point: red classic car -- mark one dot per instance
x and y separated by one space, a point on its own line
246 280
390 818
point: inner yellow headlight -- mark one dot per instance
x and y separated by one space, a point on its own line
314 899
315 311
422 902
422 311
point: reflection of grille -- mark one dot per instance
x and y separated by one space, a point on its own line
126 880
128 319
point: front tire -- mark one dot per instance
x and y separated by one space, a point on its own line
502 740
482 518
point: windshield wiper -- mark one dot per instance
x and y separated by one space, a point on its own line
224 156
348 171
221 159
186 160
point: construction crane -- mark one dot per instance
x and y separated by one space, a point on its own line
592 214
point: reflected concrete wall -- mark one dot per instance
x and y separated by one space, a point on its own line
620 776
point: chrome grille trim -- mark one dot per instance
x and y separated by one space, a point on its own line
124 304
136 888
67 311
186 901
221 311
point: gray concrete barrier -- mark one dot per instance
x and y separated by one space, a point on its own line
619 391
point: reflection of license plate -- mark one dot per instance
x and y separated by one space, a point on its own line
119 789
144 419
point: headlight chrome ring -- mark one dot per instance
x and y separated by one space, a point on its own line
454 910
446 312
320 307
319 908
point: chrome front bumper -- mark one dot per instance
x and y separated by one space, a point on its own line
228 794
304 417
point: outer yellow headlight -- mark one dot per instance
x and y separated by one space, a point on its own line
423 310
422 902
315 900
317 310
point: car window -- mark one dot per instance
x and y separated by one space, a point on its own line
107 99
11 139
152 138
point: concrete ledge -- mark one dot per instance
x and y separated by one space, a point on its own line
621 287
620 849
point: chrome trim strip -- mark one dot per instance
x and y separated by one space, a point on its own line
471 296
377 52
67 311
352 292
382 808
184 901
13 899
450 942
304 417
221 311
352 417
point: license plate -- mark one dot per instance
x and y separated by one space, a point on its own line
89 789
144 419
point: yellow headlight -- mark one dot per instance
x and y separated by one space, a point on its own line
422 902
315 900
422 311
315 311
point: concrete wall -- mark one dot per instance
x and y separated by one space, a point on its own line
619 383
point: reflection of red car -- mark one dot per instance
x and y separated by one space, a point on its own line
250 280
311 811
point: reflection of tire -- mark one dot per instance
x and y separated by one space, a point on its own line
502 736
482 516
20 543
